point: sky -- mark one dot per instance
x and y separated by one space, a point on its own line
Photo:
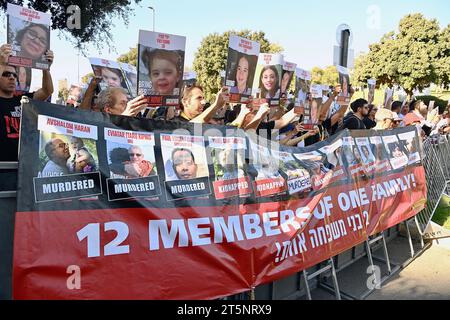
305 29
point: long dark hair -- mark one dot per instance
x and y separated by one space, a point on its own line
277 82
21 33
252 60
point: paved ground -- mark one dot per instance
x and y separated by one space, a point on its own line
427 277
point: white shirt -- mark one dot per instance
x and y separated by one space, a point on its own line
52 169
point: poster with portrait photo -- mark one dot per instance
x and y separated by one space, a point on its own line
371 83
74 97
394 149
388 97
313 162
334 159
68 165
382 163
268 180
186 166
109 73
352 157
367 157
228 158
28 31
344 81
410 143
132 165
298 178
241 67
267 82
130 75
160 67
286 78
302 85
23 80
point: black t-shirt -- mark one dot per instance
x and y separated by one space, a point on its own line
268 126
352 122
10 126
331 129
180 118
315 138
369 123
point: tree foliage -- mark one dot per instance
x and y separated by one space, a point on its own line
211 57
96 18
86 77
130 57
413 57
327 76
63 94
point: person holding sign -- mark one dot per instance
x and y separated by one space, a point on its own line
10 104
115 101
193 103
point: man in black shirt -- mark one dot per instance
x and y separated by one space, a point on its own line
354 120
369 121
10 107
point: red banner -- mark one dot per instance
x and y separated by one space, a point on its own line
201 252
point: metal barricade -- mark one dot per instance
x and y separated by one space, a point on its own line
437 174
8 187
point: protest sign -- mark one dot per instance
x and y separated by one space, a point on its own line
29 34
160 67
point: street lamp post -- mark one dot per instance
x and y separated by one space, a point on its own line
153 9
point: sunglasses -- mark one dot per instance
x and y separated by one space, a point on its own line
8 74
135 154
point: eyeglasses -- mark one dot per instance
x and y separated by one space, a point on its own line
8 74
33 35
135 154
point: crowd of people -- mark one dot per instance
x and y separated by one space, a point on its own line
284 123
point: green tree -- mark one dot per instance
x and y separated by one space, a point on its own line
211 57
130 57
63 94
95 18
409 57
327 76
443 62
85 78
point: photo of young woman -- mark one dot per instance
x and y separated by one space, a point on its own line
269 83
29 35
